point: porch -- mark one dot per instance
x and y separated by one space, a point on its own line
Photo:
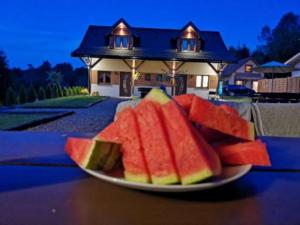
124 77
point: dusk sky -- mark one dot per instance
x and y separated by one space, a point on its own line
34 31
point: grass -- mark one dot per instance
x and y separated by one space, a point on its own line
80 101
10 121
239 99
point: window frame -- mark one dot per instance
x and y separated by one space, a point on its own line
248 66
157 77
104 73
202 82
189 40
121 41
147 77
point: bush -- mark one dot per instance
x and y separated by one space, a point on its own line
74 90
70 91
11 97
95 93
66 91
22 94
60 90
48 91
84 91
41 94
31 95
54 91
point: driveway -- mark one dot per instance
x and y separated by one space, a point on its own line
88 120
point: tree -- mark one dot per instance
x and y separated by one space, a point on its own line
239 52
55 77
48 91
283 41
31 96
22 94
41 94
4 75
11 97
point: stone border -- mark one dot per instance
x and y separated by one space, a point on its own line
56 115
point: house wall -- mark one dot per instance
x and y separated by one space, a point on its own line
153 68
296 73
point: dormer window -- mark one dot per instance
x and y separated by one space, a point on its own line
121 41
188 44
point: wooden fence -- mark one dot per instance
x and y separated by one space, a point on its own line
279 85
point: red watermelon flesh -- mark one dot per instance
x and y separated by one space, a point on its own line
133 157
229 109
157 149
88 153
209 115
254 152
185 101
190 157
78 148
213 158
110 133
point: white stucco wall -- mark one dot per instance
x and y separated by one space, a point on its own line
242 68
106 90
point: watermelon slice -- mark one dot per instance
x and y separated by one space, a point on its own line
110 133
157 149
229 109
185 101
91 154
133 157
211 155
191 161
254 152
209 115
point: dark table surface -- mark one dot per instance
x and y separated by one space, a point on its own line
39 184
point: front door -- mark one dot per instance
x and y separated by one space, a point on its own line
180 87
125 84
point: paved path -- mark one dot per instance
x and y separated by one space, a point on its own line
88 120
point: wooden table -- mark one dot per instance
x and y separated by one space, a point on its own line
41 185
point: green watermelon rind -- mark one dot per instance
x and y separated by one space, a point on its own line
170 179
196 177
97 155
139 178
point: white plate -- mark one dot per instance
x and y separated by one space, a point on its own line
229 174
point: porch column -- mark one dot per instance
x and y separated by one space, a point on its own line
133 68
173 78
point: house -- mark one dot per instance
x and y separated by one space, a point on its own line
121 59
295 62
242 73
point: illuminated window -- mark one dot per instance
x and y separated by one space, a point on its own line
104 77
188 44
239 82
148 77
159 77
121 41
202 81
248 68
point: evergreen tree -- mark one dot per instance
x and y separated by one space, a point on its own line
11 97
22 94
32 95
41 94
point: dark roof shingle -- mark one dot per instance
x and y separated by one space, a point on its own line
151 43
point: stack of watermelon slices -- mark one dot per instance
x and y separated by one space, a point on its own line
166 141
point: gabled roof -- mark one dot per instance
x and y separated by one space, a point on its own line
294 60
231 68
192 25
152 44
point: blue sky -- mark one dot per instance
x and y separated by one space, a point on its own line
33 31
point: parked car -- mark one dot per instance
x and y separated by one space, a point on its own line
237 90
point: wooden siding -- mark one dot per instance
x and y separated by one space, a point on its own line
280 85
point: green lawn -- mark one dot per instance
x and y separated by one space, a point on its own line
80 101
14 120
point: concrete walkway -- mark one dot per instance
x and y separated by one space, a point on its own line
87 120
